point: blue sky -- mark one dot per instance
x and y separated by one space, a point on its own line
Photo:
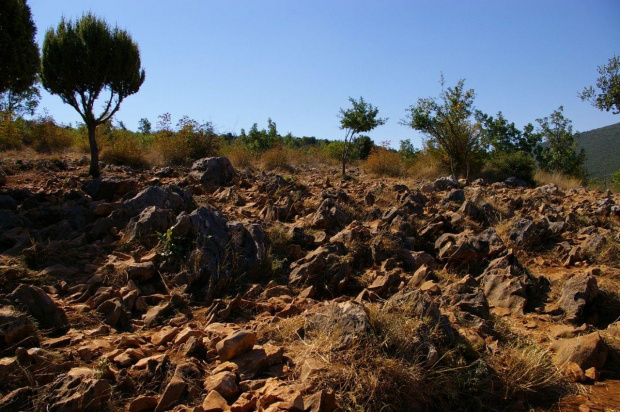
235 63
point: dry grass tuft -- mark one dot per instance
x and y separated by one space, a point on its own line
562 181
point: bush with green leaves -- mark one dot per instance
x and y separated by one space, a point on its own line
518 164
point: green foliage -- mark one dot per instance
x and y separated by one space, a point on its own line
20 104
497 135
45 136
18 48
559 154
361 118
514 163
407 151
362 148
144 126
84 58
190 141
259 141
122 147
606 96
448 122
11 132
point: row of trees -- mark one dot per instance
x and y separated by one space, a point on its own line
87 63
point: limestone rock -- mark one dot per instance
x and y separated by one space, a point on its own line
213 171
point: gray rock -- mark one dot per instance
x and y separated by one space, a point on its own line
16 329
213 171
504 285
586 351
322 268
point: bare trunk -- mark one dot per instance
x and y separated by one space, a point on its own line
94 151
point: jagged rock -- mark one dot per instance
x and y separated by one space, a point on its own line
465 247
466 296
586 351
355 231
143 403
504 284
156 314
17 400
443 183
225 383
578 294
140 271
113 313
347 320
235 344
171 394
38 304
524 233
321 401
253 362
323 267
329 216
248 244
78 390
455 195
213 171
214 402
107 188
16 329
146 226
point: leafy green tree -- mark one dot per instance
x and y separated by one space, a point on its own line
559 153
361 118
84 58
449 123
498 135
144 126
606 95
363 147
407 151
19 61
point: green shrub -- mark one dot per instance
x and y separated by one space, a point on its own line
518 164
383 162
45 136
10 132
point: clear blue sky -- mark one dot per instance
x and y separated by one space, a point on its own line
235 63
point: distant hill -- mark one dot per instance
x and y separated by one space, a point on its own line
602 148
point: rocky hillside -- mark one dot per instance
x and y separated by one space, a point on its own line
210 289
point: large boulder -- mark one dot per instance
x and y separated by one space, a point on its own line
146 226
578 295
588 351
505 284
39 305
213 171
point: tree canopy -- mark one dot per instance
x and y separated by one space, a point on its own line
606 95
361 118
449 124
84 58
19 64
559 153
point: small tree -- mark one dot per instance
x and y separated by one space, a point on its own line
606 96
559 154
361 118
83 58
449 124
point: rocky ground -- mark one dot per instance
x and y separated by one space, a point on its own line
212 289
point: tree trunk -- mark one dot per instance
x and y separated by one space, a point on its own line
94 151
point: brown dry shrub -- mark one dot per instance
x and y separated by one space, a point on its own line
46 136
124 149
10 133
239 155
275 158
383 162
562 181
